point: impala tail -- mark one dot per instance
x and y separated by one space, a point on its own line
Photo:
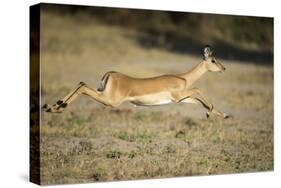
104 80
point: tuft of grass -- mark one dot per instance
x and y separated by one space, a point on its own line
85 146
145 115
142 136
114 154
78 120
98 174
190 122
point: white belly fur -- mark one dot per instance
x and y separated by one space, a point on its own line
152 99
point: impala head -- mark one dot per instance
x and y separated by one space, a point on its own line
210 61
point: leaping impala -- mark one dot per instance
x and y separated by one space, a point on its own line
116 88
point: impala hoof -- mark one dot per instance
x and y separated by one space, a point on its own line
63 105
49 110
45 106
59 102
82 83
226 116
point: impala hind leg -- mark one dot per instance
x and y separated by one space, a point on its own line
60 102
82 89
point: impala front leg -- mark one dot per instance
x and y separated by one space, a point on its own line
188 96
210 107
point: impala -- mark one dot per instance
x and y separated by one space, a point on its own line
116 88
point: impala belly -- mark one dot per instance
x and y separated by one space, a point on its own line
151 99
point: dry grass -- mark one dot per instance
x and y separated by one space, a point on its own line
90 142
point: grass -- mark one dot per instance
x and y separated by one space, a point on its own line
90 142
148 150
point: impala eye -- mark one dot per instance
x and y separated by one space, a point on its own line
213 61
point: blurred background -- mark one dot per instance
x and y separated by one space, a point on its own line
234 37
90 142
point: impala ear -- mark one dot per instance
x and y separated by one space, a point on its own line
207 51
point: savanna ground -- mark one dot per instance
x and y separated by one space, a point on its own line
90 142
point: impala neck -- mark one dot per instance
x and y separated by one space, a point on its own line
194 74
